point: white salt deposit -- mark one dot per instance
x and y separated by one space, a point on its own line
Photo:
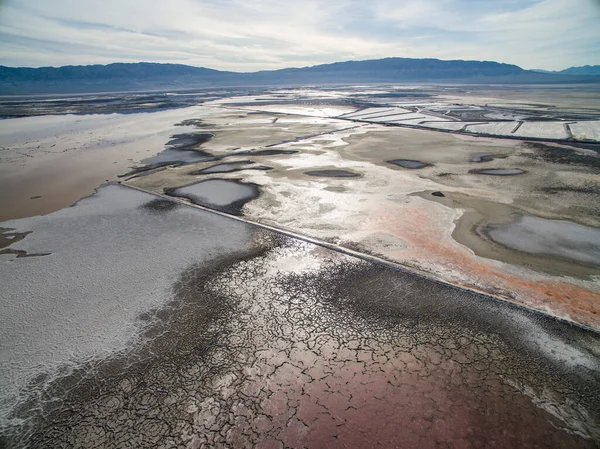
543 130
586 130
110 261
499 128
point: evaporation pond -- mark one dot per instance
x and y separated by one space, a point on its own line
560 238
218 192
171 156
481 157
225 168
407 163
500 171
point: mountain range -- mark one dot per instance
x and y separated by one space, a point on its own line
582 70
155 76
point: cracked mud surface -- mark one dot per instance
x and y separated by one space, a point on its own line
292 345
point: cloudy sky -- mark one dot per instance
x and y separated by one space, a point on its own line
248 35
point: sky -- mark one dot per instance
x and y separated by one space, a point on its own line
250 35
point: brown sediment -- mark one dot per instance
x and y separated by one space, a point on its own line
8 237
60 178
63 179
21 253
60 169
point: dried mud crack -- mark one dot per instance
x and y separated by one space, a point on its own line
298 346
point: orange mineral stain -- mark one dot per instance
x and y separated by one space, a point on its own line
431 248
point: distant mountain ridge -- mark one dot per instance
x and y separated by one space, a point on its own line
585 70
114 70
155 76
582 70
417 67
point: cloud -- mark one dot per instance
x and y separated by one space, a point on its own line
247 35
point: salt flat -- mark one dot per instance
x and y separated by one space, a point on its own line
283 268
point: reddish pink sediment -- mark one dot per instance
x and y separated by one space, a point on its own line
430 247
409 400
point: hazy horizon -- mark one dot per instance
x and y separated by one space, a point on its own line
246 36
239 71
